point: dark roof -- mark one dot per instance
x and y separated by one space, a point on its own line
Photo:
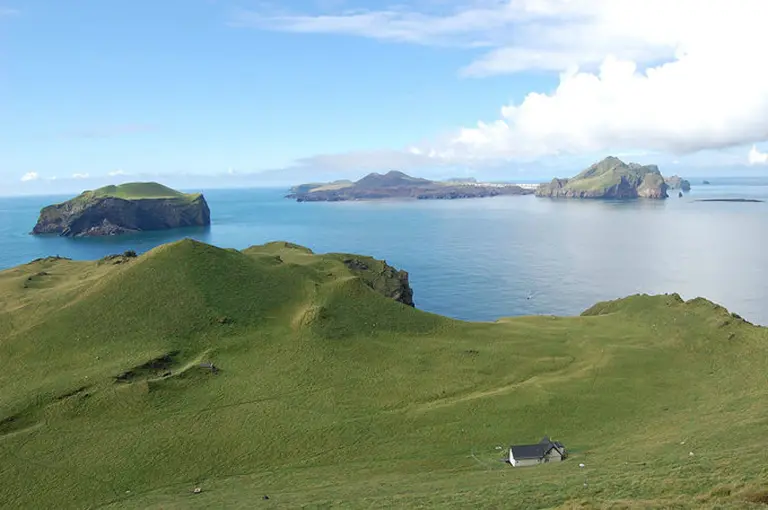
529 451
546 440
535 451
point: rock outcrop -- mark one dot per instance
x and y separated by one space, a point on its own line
374 273
677 182
610 178
381 277
399 185
115 210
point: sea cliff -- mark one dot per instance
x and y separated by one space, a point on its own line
114 210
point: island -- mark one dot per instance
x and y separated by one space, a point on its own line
609 178
395 184
705 182
131 207
677 182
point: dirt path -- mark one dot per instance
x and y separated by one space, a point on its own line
572 371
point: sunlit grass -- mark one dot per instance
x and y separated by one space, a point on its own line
331 395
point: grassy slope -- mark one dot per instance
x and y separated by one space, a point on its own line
331 395
605 174
332 186
139 191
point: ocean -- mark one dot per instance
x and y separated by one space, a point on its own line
482 259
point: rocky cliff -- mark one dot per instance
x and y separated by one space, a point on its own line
374 273
677 182
380 276
610 178
115 210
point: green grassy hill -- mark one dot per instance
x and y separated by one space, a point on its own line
392 178
138 190
329 394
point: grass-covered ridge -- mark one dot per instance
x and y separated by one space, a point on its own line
138 191
331 395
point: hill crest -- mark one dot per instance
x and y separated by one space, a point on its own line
392 178
138 191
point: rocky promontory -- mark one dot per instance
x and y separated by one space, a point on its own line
375 273
380 276
609 178
677 182
396 184
130 207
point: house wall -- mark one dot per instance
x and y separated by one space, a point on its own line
525 462
553 456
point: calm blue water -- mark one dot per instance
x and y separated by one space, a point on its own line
481 259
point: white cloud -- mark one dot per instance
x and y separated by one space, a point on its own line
30 176
523 34
80 176
756 157
116 173
649 75
700 101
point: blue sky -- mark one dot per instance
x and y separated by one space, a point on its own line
220 93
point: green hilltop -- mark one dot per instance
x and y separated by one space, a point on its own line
327 393
138 191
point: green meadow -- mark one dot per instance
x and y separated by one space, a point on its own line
137 191
327 394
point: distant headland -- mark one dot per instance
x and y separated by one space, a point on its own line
395 184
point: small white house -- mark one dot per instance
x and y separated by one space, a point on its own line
532 454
